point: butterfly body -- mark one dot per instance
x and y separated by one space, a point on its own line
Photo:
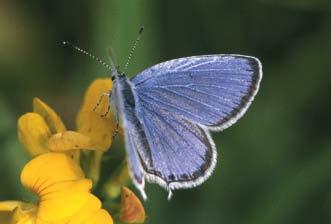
168 110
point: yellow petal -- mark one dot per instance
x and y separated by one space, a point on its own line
53 121
61 200
33 133
99 129
91 213
101 216
17 212
69 140
91 123
5 217
64 194
9 205
48 169
132 210
25 214
92 205
93 94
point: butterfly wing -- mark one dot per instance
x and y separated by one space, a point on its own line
181 154
211 90
161 147
123 103
135 141
178 101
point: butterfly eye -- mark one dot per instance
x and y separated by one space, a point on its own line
112 78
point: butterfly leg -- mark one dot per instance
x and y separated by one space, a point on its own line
117 126
99 102
105 114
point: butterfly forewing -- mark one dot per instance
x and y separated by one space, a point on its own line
211 90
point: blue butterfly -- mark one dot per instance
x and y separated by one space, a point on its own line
169 109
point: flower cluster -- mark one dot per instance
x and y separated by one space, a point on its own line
54 173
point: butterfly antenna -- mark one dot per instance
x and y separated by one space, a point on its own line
133 48
110 67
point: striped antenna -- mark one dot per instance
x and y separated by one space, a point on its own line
110 67
133 48
111 56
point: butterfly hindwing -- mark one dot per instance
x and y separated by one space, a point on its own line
182 153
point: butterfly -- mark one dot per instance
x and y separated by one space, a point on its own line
169 109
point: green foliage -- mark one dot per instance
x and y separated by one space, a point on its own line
274 165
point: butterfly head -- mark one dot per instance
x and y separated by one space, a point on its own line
117 75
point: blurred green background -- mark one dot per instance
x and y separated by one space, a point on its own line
274 165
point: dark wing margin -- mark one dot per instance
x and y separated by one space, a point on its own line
210 90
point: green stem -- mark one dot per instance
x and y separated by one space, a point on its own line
112 188
95 166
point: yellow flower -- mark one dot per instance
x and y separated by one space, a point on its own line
63 191
54 175
43 131
89 122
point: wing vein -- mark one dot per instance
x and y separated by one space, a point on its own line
189 85
206 93
157 135
174 130
176 139
195 101
174 107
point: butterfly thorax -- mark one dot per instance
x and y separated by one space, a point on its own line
122 97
